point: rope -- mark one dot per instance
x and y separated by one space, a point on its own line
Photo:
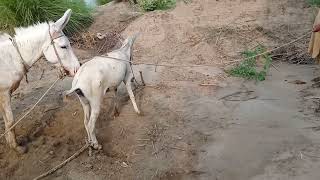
167 65
2 135
208 65
284 45
26 67
76 154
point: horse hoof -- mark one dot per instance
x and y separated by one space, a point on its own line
21 149
90 152
116 114
97 147
140 113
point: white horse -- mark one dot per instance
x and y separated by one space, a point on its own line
18 54
98 76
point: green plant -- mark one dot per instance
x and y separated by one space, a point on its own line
248 68
151 5
314 2
15 13
102 2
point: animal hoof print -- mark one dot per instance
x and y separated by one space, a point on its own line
21 149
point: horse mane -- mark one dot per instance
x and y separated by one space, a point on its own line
31 33
36 31
4 36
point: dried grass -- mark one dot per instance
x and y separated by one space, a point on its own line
89 41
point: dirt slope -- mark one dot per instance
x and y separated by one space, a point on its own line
187 131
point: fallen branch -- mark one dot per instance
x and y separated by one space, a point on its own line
42 73
246 99
235 93
51 109
309 155
177 148
312 97
207 85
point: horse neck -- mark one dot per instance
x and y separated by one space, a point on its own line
31 48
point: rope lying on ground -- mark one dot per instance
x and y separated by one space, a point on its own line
17 122
76 154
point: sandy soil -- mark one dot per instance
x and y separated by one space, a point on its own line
264 131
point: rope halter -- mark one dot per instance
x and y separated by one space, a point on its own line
26 67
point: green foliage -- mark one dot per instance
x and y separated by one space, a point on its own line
151 5
102 2
16 13
314 2
248 68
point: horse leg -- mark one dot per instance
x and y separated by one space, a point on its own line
95 110
131 95
116 108
86 110
5 108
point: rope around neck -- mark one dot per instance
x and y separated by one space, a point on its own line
26 67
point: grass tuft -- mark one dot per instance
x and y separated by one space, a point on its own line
314 2
248 68
102 2
151 5
16 13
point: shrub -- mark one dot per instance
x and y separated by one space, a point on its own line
15 13
247 69
151 5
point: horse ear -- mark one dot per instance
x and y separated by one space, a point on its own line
61 23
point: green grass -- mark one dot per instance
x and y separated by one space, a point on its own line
151 5
248 68
16 13
102 2
314 2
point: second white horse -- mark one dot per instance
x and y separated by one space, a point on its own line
98 76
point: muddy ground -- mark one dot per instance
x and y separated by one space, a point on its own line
231 129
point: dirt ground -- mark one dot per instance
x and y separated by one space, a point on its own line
230 130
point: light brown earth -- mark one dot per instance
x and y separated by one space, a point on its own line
265 131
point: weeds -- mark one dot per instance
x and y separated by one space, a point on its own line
15 13
314 2
248 68
102 2
151 5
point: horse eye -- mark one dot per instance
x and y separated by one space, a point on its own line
64 47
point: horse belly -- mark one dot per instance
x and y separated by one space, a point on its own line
116 76
11 82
